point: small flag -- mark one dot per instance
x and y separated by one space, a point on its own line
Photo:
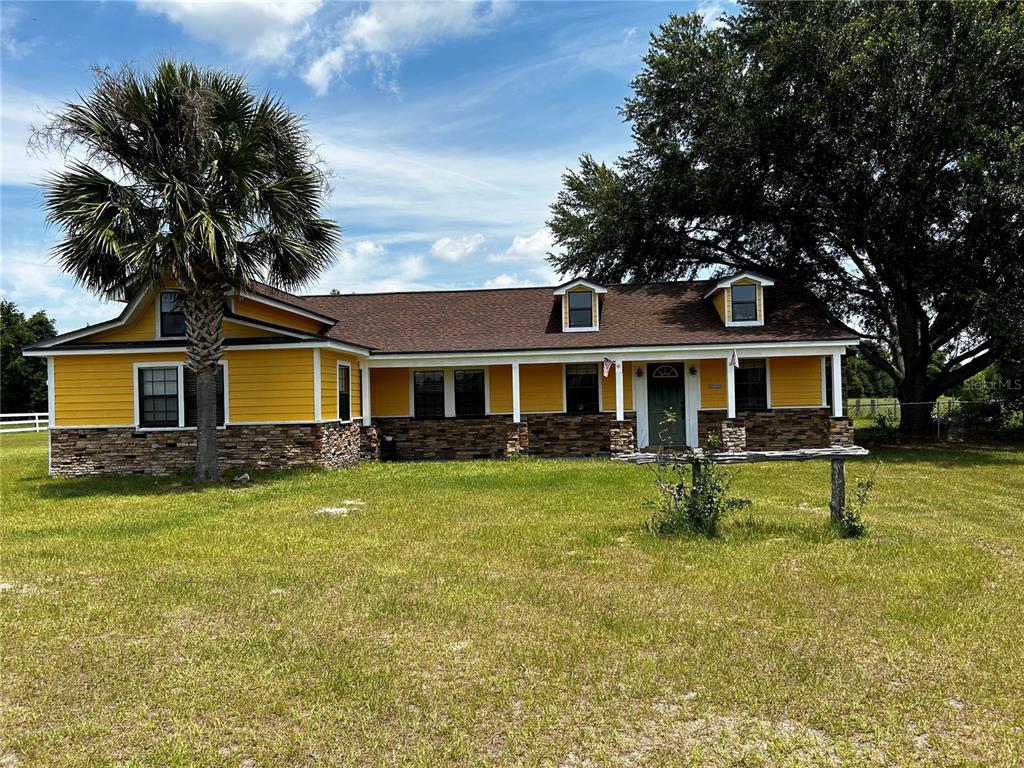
608 363
735 361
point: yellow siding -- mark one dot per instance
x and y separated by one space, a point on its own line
608 388
795 381
389 392
329 384
270 384
712 372
500 387
719 301
238 331
267 314
540 388
98 390
143 328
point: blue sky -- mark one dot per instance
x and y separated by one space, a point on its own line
446 126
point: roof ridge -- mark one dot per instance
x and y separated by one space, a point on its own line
486 290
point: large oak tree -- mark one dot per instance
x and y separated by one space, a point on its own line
872 153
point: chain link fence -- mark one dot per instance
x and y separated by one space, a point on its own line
951 419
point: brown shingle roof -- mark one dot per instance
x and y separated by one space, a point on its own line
632 315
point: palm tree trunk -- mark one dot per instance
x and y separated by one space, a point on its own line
204 329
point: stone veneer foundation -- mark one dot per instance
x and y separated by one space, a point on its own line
127 451
781 429
490 437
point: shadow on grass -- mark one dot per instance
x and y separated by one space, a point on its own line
755 530
946 455
112 531
63 488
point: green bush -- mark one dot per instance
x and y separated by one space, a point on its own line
688 504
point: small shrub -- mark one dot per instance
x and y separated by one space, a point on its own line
688 505
886 422
851 523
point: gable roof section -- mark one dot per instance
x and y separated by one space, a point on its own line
566 287
725 282
81 336
633 315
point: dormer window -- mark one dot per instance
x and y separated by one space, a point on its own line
744 302
172 315
739 299
581 309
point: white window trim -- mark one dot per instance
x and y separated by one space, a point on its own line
595 309
157 303
137 423
337 382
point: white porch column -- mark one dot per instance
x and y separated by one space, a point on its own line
449 393
516 415
620 404
837 384
730 389
364 393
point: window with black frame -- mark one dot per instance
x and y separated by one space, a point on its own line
469 393
744 303
172 314
581 309
158 397
428 394
344 393
192 400
581 388
828 382
752 386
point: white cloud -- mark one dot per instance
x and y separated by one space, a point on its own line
14 47
256 29
21 111
505 280
712 13
529 254
455 248
366 267
30 279
380 32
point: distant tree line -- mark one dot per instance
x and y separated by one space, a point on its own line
22 379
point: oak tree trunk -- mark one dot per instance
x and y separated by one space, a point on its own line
204 316
916 405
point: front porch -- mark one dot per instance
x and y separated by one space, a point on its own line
762 398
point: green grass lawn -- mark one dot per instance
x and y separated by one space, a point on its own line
510 613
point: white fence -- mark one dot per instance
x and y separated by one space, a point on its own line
24 422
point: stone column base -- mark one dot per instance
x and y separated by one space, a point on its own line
517 439
622 437
369 443
841 431
734 437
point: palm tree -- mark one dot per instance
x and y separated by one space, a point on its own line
186 174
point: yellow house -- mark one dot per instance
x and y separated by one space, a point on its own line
580 369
